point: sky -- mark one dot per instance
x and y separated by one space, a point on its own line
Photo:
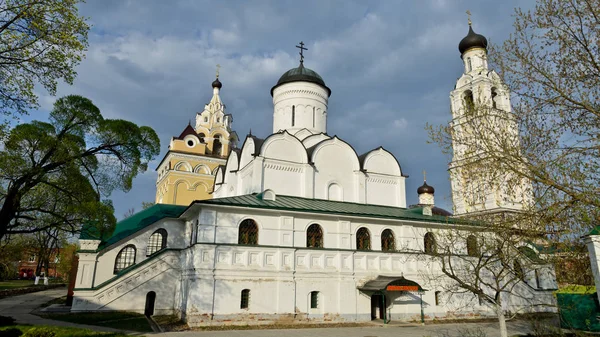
390 65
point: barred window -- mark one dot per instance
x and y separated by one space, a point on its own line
388 243
245 302
248 233
519 270
314 299
314 236
430 244
157 242
125 258
363 239
472 248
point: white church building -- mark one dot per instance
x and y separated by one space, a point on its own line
300 228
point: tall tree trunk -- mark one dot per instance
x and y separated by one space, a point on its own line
501 320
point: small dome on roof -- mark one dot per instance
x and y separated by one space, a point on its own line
472 40
301 74
425 189
217 84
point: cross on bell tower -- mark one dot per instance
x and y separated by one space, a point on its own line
302 49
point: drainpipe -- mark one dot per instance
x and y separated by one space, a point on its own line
212 312
422 313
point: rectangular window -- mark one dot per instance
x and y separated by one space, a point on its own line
314 116
245 299
437 297
314 299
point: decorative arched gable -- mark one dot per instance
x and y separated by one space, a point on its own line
284 146
381 161
183 166
202 169
303 133
328 151
248 152
314 140
233 161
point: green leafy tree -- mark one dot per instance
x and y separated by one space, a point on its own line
41 42
54 174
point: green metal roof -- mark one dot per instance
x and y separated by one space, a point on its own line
297 204
595 231
134 223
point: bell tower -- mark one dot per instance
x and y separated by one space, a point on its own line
187 172
482 124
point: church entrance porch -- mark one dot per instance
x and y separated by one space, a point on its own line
387 288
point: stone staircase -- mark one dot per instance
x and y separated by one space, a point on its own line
100 296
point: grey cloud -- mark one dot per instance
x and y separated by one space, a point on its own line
153 61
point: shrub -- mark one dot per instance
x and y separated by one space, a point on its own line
5 321
40 332
12 332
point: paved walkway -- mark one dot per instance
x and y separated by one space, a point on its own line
430 330
20 308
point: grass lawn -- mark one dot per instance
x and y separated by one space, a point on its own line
117 320
577 289
14 284
59 331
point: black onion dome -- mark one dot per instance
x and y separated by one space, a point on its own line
425 189
472 40
301 74
217 84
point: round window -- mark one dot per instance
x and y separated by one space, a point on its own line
190 143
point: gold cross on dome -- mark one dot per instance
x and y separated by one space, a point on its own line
469 16
218 67
424 175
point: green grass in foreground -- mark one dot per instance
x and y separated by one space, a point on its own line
577 289
14 284
117 320
61 331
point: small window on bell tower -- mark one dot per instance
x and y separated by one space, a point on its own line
293 114
494 98
469 66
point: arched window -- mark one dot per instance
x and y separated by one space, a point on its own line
157 241
217 145
494 97
314 116
469 65
293 115
469 102
472 248
201 136
314 299
205 119
125 258
314 236
363 239
437 297
388 243
248 233
519 270
245 300
430 244
538 281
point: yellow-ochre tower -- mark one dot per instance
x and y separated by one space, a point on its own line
187 171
